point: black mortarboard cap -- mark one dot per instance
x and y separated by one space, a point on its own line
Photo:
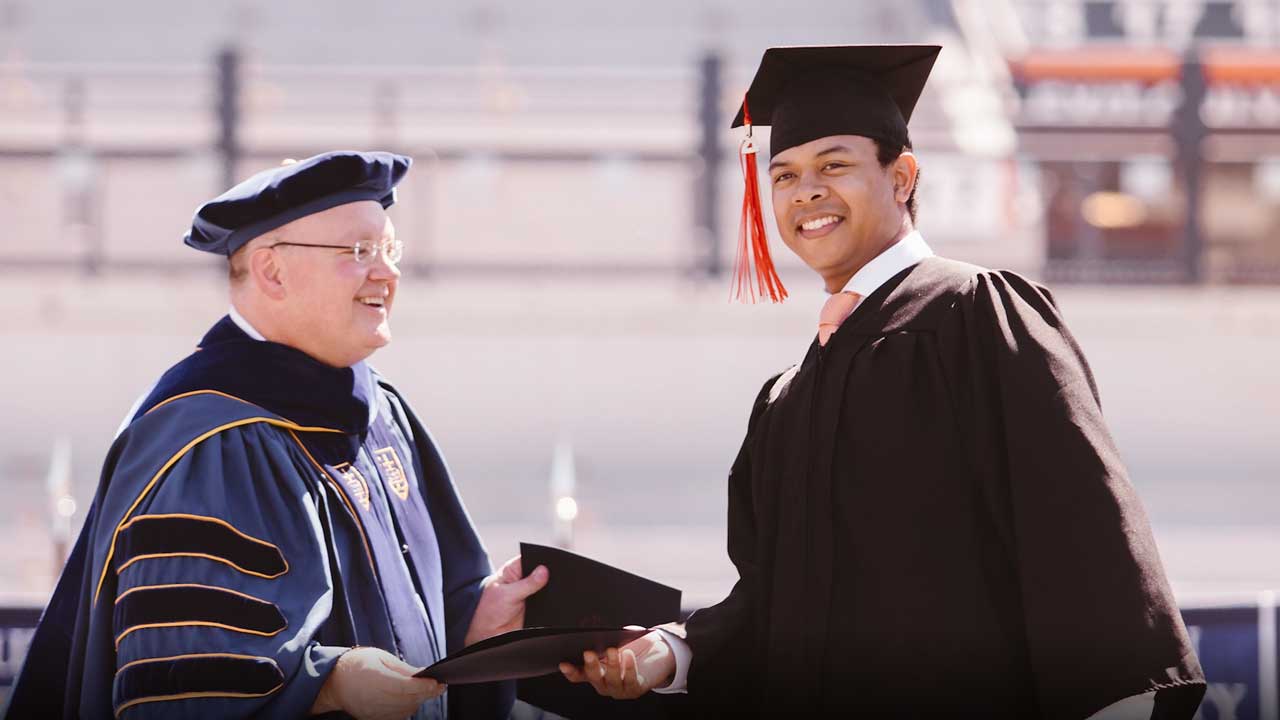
808 92
283 194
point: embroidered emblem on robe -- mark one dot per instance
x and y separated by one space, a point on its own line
355 482
393 471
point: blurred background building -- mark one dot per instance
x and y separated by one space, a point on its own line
570 221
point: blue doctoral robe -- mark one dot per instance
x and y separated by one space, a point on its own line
250 524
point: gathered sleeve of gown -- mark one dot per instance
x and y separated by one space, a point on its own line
1101 623
219 582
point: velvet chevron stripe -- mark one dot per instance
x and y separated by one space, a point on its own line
166 606
160 536
181 677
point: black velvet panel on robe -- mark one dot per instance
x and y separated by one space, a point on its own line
930 518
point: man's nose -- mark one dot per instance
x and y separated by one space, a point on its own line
808 192
384 269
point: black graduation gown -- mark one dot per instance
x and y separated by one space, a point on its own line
929 517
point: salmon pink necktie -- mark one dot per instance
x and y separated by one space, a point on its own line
834 311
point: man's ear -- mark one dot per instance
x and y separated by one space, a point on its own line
904 171
266 272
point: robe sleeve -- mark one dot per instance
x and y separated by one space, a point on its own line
1100 620
222 582
723 637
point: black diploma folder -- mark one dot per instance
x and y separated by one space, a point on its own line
523 653
584 606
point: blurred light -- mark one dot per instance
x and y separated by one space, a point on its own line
563 480
202 169
978 121
985 138
1266 108
508 98
66 506
1110 210
614 170
1266 177
566 509
479 168
75 169
262 95
1149 177
17 92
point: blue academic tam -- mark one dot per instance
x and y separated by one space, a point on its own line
283 194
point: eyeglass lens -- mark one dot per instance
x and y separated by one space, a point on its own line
391 250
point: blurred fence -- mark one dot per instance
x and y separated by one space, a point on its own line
522 171
103 165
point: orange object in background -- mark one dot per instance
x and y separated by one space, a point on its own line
1098 65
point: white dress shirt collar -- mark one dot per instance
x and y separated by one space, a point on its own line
364 382
243 324
908 251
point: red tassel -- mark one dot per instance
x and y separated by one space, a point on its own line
753 244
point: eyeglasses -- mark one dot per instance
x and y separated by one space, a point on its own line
364 252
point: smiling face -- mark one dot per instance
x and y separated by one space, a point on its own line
836 206
320 300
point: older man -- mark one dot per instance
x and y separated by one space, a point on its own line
928 515
274 503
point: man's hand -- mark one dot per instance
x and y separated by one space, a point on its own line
372 684
627 673
501 606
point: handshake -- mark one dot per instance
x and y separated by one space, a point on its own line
565 615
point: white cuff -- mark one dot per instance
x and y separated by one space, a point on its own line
680 649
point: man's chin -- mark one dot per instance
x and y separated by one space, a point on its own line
379 339
371 344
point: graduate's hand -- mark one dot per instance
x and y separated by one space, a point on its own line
501 606
628 672
372 684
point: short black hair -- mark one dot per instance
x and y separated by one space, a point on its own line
886 154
